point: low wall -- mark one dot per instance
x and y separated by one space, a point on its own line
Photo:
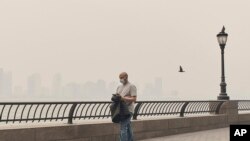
107 131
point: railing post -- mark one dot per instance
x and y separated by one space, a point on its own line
183 109
71 112
136 111
217 111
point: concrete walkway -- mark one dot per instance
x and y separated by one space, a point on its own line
221 134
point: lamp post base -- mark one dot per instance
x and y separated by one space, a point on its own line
223 97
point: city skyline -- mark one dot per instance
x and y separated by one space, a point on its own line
90 90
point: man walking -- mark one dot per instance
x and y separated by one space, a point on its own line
128 94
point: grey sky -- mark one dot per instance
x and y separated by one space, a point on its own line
96 39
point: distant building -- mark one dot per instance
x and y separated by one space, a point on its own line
56 89
95 91
34 85
72 90
153 91
89 89
7 83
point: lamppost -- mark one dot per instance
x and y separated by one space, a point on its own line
222 40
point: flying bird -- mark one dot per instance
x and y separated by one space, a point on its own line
181 70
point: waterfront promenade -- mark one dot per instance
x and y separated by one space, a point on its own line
221 134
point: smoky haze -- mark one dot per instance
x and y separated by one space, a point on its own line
91 40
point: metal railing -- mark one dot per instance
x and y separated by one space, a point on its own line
52 111
243 105
157 108
59 111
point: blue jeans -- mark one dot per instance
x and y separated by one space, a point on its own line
126 132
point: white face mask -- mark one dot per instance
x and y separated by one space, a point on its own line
122 81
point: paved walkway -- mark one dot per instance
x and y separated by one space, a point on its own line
221 134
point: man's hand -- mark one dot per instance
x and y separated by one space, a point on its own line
122 98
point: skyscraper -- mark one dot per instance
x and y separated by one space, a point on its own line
5 83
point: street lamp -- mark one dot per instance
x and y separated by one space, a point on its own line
222 40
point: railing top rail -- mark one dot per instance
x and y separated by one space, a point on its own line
55 102
184 101
71 102
239 100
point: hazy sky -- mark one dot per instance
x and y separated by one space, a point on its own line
97 39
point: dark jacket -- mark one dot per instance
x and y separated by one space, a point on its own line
119 109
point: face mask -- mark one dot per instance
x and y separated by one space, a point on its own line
122 81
